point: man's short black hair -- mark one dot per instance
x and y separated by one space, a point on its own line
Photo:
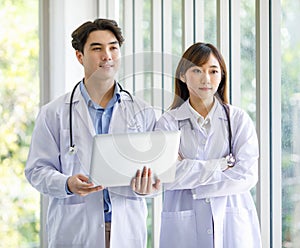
80 35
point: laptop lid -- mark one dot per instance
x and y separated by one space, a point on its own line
117 157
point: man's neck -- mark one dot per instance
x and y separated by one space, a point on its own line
100 92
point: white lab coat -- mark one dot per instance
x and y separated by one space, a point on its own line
72 220
206 207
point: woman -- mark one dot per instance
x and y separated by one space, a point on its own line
209 204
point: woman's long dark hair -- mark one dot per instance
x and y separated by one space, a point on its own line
197 55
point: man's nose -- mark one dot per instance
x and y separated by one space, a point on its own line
106 55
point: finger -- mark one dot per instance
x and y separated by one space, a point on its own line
83 178
145 171
132 184
138 173
144 180
84 192
138 181
156 185
149 184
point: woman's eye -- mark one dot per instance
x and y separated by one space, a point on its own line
197 70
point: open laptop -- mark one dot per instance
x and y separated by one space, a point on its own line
117 157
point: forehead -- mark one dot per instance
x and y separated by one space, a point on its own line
103 37
211 61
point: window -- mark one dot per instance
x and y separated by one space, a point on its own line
264 82
290 106
19 96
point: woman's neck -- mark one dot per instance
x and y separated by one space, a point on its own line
202 106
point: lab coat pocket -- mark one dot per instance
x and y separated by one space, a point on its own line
136 213
178 229
239 228
70 226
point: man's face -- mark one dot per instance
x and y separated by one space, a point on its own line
101 55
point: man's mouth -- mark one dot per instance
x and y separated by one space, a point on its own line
106 66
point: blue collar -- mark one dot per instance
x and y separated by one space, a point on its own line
91 103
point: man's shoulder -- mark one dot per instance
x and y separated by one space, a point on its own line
56 103
134 99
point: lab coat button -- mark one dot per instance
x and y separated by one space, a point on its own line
207 200
209 231
102 226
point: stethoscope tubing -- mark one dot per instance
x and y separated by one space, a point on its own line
72 145
230 156
226 108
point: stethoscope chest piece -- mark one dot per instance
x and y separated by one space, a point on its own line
230 160
72 150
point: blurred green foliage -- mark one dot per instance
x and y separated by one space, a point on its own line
19 94
290 87
19 98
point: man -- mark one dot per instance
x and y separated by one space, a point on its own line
81 214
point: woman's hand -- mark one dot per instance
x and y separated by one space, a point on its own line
80 185
142 182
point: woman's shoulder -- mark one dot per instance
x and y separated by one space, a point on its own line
240 118
170 114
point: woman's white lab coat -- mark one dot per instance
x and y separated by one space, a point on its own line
206 207
75 221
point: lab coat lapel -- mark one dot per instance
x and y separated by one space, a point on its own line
81 111
83 130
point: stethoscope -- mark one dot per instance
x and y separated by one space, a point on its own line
230 157
73 148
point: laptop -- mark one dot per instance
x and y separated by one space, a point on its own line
117 157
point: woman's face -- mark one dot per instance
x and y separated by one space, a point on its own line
203 81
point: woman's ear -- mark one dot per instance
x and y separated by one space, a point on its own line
182 77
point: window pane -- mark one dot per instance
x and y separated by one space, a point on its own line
290 105
19 93
248 74
210 21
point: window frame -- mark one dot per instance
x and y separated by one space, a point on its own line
268 66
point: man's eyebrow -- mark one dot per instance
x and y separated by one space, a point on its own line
99 44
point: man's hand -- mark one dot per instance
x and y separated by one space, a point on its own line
142 182
80 185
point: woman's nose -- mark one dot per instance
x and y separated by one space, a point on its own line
205 78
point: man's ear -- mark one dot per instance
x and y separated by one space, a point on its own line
79 56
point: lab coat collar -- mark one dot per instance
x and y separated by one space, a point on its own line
184 111
81 109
